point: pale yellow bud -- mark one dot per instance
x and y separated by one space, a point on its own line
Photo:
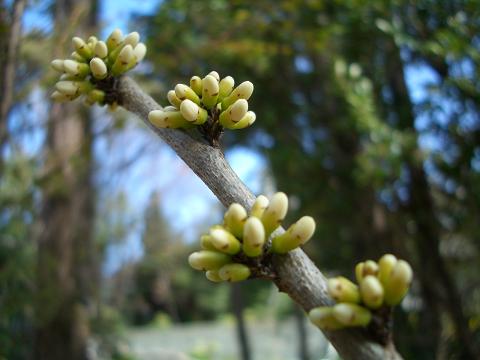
168 119
132 39
196 85
173 99
98 68
385 266
82 48
101 49
185 92
215 75
225 87
213 276
343 290
234 272
114 39
208 260
275 212
235 218
209 91
352 314
398 283
224 241
193 113
242 91
371 291
253 237
57 65
323 317
296 235
259 206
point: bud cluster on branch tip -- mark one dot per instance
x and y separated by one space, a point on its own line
382 284
94 62
210 97
227 248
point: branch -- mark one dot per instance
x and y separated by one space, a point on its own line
296 274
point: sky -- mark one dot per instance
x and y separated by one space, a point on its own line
186 202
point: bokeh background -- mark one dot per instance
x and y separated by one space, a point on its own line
367 116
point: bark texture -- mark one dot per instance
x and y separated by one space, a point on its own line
66 272
296 274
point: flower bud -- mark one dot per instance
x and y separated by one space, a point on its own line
259 206
253 237
343 290
184 92
173 99
61 97
75 68
225 87
193 113
123 60
77 57
213 276
275 212
371 291
139 52
224 241
170 108
246 121
242 91
363 269
96 95
234 272
385 266
296 235
234 219
82 48
398 283
230 117
114 39
132 39
101 49
98 68
208 260
206 243
57 65
196 85
168 119
322 317
73 87
215 75
209 91
352 314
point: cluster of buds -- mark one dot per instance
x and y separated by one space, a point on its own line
94 63
229 250
380 285
206 100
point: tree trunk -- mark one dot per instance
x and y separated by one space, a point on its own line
66 266
436 280
236 298
9 50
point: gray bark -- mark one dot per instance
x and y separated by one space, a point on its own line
296 274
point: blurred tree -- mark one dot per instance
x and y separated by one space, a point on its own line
67 267
10 33
336 121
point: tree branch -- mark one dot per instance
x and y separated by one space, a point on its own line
296 274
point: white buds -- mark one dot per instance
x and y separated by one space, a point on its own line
132 39
57 65
101 49
98 68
